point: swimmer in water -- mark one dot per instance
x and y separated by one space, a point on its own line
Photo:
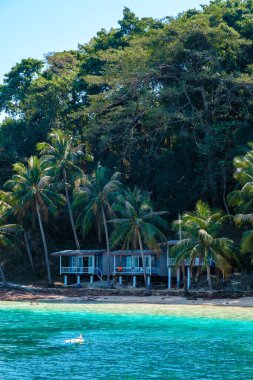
79 340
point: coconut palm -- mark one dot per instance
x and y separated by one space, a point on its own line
242 199
7 201
32 192
92 201
199 239
60 157
8 232
137 223
8 239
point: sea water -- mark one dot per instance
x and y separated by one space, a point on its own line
125 342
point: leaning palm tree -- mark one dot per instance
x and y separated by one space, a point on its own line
8 232
60 157
199 239
242 199
7 201
8 239
32 192
137 223
92 201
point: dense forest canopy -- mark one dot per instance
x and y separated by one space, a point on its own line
167 103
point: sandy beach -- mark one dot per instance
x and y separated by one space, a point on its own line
19 294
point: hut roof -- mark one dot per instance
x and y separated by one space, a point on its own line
81 252
129 252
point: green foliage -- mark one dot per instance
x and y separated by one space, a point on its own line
60 156
93 197
16 85
33 194
200 230
167 103
242 199
137 223
137 218
171 94
30 185
9 233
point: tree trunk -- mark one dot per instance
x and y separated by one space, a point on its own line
107 248
28 249
198 273
2 274
184 281
44 244
143 260
208 276
70 210
210 155
225 194
218 276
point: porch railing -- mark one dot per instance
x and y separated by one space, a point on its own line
135 270
172 262
80 270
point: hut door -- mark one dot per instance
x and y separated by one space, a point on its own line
73 261
86 262
91 264
76 261
129 261
137 262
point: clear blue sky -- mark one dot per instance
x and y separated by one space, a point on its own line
32 28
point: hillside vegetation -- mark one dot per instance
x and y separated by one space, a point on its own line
163 105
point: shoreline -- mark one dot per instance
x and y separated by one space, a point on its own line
115 296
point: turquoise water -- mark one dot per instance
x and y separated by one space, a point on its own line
125 342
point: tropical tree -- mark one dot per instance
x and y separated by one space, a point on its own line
8 239
33 193
60 157
200 230
8 232
137 223
242 199
7 201
92 201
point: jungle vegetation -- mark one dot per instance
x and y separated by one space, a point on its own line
167 104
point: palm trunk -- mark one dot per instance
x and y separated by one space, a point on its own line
198 273
218 274
208 276
28 249
184 280
107 248
70 210
225 194
2 274
44 244
143 260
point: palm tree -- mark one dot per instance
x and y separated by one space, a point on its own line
8 232
8 239
7 201
137 223
92 201
242 199
199 239
60 157
32 192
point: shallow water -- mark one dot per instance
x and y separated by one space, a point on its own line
125 342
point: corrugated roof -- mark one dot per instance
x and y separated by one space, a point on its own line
96 252
129 252
81 252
